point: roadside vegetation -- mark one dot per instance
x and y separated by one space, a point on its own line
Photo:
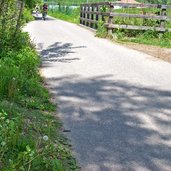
66 13
78 2
30 135
149 37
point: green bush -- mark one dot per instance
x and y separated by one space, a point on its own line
15 69
10 79
27 16
101 29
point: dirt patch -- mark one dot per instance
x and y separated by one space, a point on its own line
158 52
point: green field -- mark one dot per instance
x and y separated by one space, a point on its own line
78 2
74 2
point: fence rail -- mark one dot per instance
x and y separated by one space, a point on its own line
90 13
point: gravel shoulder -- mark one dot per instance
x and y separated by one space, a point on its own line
158 52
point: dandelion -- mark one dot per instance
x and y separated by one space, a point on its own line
45 138
3 143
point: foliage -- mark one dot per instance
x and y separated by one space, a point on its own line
78 2
30 137
27 16
12 16
143 37
146 37
66 13
31 3
101 30
72 2
155 1
30 140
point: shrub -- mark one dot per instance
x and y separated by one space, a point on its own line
27 16
10 80
101 30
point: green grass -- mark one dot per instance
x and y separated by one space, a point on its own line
30 135
152 41
32 140
141 37
26 116
66 14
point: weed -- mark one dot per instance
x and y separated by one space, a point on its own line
101 30
31 140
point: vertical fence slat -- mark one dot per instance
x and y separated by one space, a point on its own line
163 13
84 15
81 14
88 16
92 16
97 16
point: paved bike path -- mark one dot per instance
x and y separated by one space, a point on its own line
116 101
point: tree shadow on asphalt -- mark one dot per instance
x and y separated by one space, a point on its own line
115 126
58 52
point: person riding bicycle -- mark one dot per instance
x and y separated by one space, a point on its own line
44 12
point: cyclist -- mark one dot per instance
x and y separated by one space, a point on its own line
44 11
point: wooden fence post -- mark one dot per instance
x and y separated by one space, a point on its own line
110 21
84 15
163 13
92 16
88 15
81 14
97 16
91 13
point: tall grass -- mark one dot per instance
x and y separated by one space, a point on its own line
67 14
30 135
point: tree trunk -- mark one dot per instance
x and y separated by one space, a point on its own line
19 19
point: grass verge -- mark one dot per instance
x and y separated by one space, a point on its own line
70 15
32 140
30 135
143 37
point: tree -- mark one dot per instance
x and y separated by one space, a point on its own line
31 3
11 15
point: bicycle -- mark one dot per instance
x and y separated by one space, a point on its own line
44 14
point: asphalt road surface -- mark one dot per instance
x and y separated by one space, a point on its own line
116 101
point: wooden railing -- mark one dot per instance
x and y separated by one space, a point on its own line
91 13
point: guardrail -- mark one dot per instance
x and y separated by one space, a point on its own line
90 13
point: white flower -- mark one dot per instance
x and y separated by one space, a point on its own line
3 143
45 137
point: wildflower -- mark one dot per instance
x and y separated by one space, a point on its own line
3 143
45 138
